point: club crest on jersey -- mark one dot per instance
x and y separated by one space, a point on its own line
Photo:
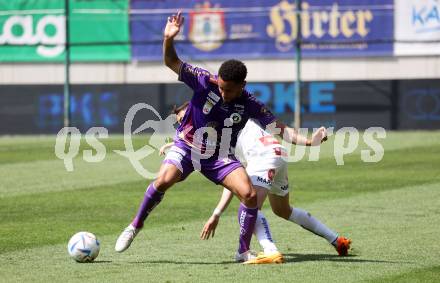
207 107
235 118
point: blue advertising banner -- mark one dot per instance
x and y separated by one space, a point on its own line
265 29
397 104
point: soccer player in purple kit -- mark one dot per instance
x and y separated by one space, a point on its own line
218 110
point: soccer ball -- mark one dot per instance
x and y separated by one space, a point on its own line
83 247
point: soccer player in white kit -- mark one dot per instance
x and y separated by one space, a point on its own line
265 161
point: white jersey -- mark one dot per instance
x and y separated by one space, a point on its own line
262 154
255 143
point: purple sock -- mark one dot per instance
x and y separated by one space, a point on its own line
151 199
246 220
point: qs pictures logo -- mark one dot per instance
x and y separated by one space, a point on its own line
316 23
70 138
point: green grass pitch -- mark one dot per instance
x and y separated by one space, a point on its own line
390 209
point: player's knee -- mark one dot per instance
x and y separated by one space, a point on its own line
163 182
249 197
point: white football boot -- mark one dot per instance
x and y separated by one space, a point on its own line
126 237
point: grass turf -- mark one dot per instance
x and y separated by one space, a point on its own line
390 209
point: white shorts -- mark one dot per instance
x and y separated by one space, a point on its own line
270 174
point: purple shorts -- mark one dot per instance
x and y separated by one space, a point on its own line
213 168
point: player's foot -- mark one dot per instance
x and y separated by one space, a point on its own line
126 237
262 258
243 257
342 245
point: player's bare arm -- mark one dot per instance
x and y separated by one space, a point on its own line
172 28
210 225
292 136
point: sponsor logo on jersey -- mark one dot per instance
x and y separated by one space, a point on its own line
214 96
211 100
271 174
236 118
265 181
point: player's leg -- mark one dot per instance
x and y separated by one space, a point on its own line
262 230
237 181
261 195
281 207
168 175
261 175
279 200
175 167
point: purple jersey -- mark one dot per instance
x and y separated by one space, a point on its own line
207 109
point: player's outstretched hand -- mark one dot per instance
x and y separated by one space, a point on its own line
319 136
209 228
173 25
162 149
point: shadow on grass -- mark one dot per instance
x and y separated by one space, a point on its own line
181 262
289 258
331 257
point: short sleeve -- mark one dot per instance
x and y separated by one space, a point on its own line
259 112
194 77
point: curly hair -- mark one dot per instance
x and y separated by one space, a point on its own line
233 70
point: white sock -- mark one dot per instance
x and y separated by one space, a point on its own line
310 223
263 234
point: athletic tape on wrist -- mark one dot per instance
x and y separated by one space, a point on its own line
217 212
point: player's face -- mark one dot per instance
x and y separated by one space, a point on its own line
180 115
230 90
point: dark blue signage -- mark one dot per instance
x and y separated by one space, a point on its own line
265 29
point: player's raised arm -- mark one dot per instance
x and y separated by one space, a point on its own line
292 136
196 78
267 120
172 28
